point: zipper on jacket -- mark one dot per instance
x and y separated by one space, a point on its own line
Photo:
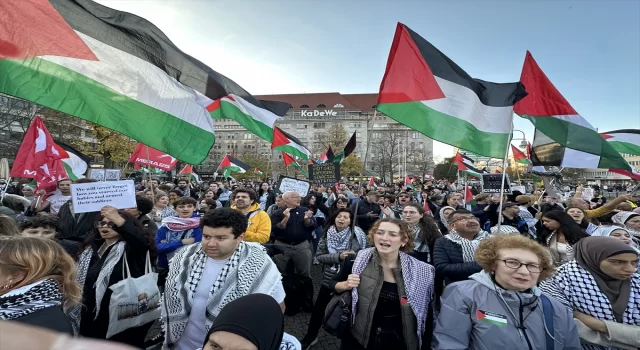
521 326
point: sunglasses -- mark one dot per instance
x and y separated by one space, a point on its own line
104 224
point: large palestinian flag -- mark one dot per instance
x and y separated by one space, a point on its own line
120 71
426 91
624 141
287 143
563 137
77 163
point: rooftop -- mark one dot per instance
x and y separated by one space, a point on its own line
326 100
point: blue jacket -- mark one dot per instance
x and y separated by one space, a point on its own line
174 242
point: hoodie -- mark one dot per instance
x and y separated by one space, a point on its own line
477 314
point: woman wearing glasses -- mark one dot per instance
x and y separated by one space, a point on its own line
602 289
500 307
116 236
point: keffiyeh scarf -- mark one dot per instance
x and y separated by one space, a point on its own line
175 223
249 271
418 283
102 283
419 244
468 246
30 298
340 241
574 287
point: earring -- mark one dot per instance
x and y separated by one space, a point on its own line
403 245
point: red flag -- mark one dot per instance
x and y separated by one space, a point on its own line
187 170
37 149
407 180
155 158
468 196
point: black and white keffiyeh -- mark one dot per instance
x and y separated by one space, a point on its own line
576 288
30 298
468 246
339 241
249 271
102 283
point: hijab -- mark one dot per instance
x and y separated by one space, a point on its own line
589 253
444 220
239 317
622 217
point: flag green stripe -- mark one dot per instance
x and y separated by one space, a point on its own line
625 147
446 128
231 111
234 168
580 138
69 171
65 90
292 150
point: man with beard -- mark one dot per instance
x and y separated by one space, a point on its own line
453 255
183 185
259 225
55 200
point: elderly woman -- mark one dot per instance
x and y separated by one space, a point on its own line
392 292
501 307
602 289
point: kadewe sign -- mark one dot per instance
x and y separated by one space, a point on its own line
152 157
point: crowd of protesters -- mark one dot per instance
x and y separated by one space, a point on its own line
418 265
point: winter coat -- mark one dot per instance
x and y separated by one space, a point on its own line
364 221
447 259
168 249
259 229
76 226
331 261
51 318
479 315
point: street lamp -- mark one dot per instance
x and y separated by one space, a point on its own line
523 143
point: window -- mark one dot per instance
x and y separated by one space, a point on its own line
304 106
338 105
414 135
322 105
301 126
318 125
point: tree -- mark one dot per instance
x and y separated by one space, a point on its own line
446 170
351 166
334 136
253 159
15 117
114 147
385 156
573 174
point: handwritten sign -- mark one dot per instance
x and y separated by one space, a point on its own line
491 183
92 196
286 183
97 174
326 174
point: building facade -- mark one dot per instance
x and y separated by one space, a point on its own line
312 117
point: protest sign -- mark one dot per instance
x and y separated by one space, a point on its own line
97 174
491 183
92 196
587 193
326 174
286 183
519 188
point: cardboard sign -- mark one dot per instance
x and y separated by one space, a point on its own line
286 183
326 174
520 188
491 183
97 174
112 174
92 196
587 193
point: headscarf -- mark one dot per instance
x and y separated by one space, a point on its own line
622 217
605 231
238 317
444 220
589 253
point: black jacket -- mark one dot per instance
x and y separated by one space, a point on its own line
76 226
51 318
447 259
364 207
296 231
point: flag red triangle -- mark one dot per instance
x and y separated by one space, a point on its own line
605 136
225 162
279 139
467 193
408 76
460 161
543 98
517 154
35 28
187 170
288 160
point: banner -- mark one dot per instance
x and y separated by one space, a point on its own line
491 183
286 184
327 174
92 196
155 158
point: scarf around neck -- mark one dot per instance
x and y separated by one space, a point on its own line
468 246
249 270
175 223
29 299
589 253
338 242
418 283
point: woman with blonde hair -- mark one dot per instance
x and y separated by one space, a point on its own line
392 292
500 307
37 282
8 226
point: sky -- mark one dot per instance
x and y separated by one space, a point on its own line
590 49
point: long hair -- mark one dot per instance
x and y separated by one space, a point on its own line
95 240
261 191
38 258
8 226
428 227
572 232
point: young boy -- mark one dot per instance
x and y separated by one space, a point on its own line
178 232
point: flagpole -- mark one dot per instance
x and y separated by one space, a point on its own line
149 173
504 173
399 162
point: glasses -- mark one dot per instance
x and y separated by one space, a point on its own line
464 218
104 224
515 264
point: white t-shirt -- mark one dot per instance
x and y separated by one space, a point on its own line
56 201
194 332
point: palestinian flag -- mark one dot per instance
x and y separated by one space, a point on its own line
563 138
187 170
257 171
426 91
624 141
288 160
466 165
348 149
285 142
154 171
519 156
233 165
120 71
373 182
489 317
77 163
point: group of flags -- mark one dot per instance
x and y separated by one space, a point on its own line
80 58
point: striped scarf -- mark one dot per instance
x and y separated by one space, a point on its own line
468 246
